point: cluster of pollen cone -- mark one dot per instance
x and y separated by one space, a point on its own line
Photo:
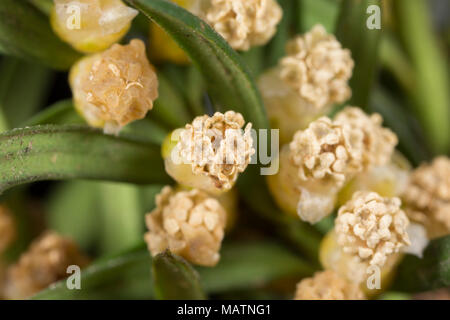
344 167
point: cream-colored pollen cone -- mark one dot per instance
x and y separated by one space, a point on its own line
314 166
115 87
210 153
44 263
372 227
327 285
427 197
188 223
242 23
311 78
350 267
311 200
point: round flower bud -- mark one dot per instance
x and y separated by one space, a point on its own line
427 196
188 223
372 227
115 87
243 23
210 152
379 142
44 263
327 285
91 25
7 228
307 82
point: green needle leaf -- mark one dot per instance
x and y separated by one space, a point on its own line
24 87
430 93
276 47
122 218
252 265
63 112
229 80
43 5
402 123
75 152
169 108
257 196
25 32
430 272
72 211
242 266
353 33
175 279
312 12
123 276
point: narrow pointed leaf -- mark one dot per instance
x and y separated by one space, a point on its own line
76 152
24 87
432 271
122 220
169 108
43 5
252 265
189 83
25 32
63 113
254 59
72 211
242 266
276 47
175 279
363 42
257 196
312 12
229 80
430 92
412 141
123 276
194 90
